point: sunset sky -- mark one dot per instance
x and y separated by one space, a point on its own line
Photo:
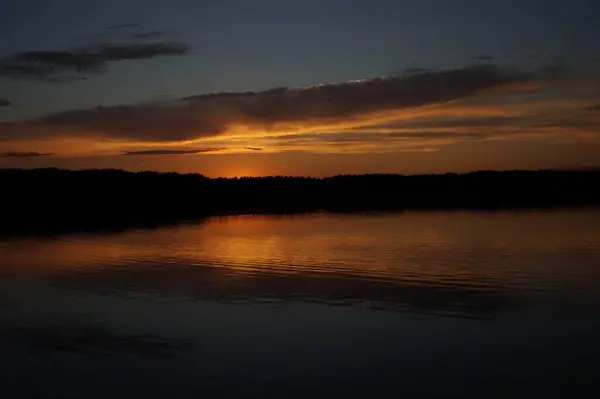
313 87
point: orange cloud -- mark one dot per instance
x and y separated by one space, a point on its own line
418 112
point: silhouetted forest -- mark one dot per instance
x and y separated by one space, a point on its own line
94 199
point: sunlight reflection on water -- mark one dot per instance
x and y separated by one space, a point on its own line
321 304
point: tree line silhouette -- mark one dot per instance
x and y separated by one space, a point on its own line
90 199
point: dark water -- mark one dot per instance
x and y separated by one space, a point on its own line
425 304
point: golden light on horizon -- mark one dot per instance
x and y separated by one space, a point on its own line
243 171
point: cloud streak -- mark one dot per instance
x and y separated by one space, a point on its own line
415 70
4 102
24 154
123 26
483 57
148 35
76 63
173 152
210 115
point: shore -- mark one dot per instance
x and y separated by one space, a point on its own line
54 200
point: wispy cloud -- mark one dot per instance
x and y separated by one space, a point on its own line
415 70
24 154
123 26
413 112
76 63
373 142
482 57
148 35
173 152
4 102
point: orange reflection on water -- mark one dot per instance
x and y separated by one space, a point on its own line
462 248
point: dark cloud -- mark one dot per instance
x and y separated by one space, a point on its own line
339 101
225 95
373 137
555 68
154 123
434 123
148 35
172 152
121 52
77 62
213 114
4 102
253 148
415 70
482 57
123 26
24 154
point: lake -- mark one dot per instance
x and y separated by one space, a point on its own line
410 304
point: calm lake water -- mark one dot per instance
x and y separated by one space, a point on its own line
416 304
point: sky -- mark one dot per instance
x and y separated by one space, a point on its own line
312 87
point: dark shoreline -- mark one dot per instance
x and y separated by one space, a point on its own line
52 200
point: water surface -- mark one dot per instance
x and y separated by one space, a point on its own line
423 304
